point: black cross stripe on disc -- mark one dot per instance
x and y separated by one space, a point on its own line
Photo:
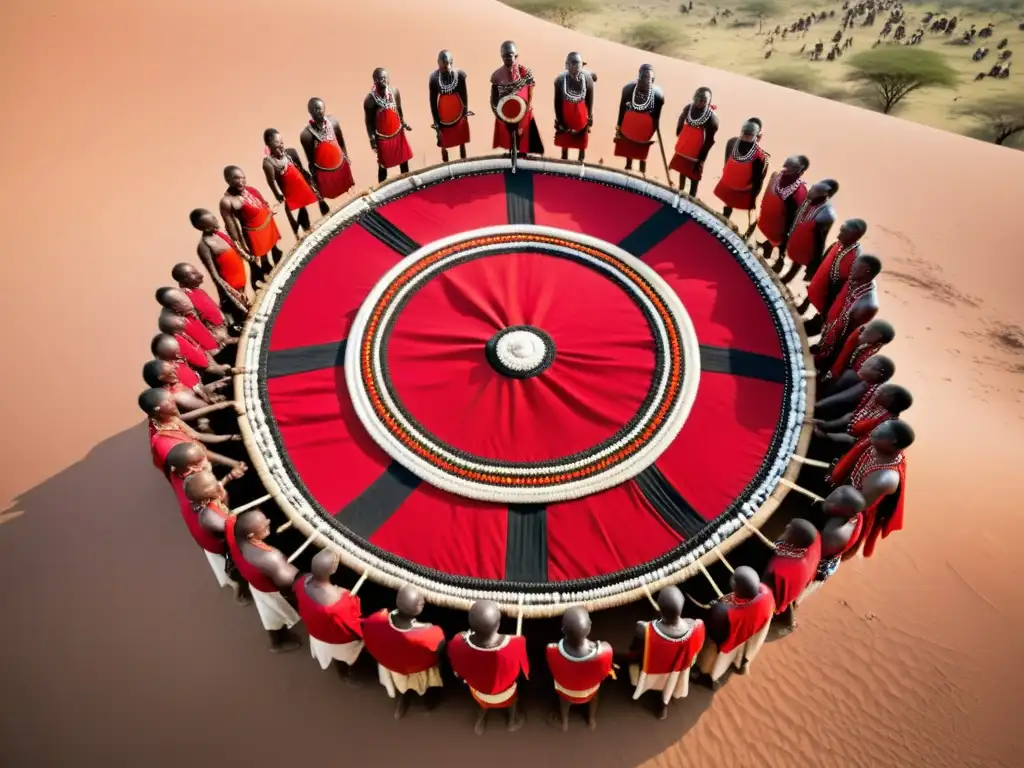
526 539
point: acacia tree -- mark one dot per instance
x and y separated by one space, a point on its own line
892 72
759 8
1000 117
564 12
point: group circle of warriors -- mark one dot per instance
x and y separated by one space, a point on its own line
857 420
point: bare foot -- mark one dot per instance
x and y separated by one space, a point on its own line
592 723
516 723
663 712
745 669
555 721
402 706
481 723
242 599
286 646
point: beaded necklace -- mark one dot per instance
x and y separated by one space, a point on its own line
833 272
697 122
322 132
784 549
869 463
448 87
646 104
786 191
842 322
251 199
744 158
574 96
387 101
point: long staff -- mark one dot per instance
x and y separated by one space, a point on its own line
664 157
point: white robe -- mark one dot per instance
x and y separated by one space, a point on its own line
274 611
325 653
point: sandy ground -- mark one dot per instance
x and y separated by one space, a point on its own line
116 648
738 43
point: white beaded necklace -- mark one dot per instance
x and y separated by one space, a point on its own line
786 191
322 132
697 122
569 95
387 101
646 104
449 88
745 158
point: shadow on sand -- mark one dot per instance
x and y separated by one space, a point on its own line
118 649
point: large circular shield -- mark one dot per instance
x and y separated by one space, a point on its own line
512 108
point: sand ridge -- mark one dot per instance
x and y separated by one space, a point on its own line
900 662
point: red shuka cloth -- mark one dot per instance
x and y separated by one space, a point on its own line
800 248
404 652
454 125
333 173
663 656
161 441
296 190
574 117
489 671
258 223
788 577
392 147
230 265
831 276
771 219
867 415
689 143
883 517
502 132
836 330
853 354
207 308
637 130
186 374
192 353
737 180
336 624
747 617
574 674
252 575
199 333
204 538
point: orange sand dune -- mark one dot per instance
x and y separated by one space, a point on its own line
118 119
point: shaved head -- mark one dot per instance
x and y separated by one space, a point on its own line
151 400
185 455
576 624
484 617
165 347
670 603
844 501
175 300
251 523
745 582
203 486
800 533
325 564
410 601
170 323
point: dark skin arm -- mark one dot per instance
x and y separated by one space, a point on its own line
270 173
682 119
879 484
623 101
659 102
370 120
297 161
233 227
558 105
398 106
589 99
281 572
758 171
848 398
790 207
338 134
224 461
212 522
710 129
728 148
494 99
718 623
199 412
835 536
308 146
435 92
836 425
206 259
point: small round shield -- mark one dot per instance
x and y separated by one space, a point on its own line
512 108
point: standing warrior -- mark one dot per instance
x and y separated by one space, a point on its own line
861 344
745 167
578 666
842 508
512 87
449 106
834 271
877 370
167 428
386 126
249 220
856 306
203 503
331 615
877 467
574 107
190 281
792 568
223 261
695 136
669 646
639 117
782 199
267 572
879 405
490 663
407 651
809 233
737 626
289 181
324 146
